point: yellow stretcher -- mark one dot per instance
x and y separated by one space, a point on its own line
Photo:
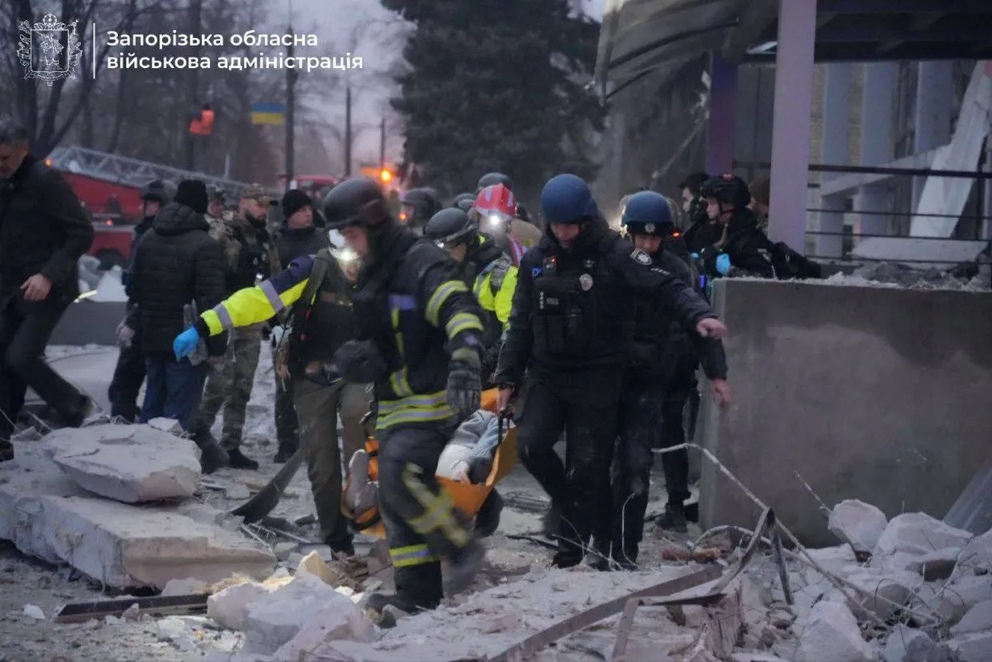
467 497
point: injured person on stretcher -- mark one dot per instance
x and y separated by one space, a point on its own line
466 460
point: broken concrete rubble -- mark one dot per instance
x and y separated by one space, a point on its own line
228 606
970 647
919 534
832 633
108 542
951 601
46 515
857 523
275 618
882 592
977 619
128 463
935 565
977 554
906 644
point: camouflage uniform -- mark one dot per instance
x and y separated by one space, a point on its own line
229 383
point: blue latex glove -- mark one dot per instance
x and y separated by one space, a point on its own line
723 264
185 343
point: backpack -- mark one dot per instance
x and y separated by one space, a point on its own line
253 263
789 265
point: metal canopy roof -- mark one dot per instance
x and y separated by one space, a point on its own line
641 37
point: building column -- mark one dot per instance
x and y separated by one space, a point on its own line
723 116
836 105
932 121
790 128
876 144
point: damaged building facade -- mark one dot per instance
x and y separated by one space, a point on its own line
892 91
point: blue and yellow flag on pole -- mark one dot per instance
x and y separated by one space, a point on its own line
268 113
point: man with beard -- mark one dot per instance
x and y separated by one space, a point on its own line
251 257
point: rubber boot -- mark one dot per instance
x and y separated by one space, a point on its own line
673 519
463 567
487 519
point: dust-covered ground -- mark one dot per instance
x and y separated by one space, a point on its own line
25 582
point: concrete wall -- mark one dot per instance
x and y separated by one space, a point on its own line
867 392
89 322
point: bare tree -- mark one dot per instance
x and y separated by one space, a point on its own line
49 112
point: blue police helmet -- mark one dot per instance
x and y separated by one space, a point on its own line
567 199
647 212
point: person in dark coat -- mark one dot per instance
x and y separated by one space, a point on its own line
298 237
742 246
565 350
129 373
43 233
177 264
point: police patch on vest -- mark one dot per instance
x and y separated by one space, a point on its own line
585 282
640 257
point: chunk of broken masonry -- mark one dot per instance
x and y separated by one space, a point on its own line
977 619
275 618
882 589
977 554
970 647
128 463
918 533
48 516
857 523
833 634
228 606
906 644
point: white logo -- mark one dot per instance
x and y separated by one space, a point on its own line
640 256
649 228
49 50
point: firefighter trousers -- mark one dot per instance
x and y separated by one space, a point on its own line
581 486
422 524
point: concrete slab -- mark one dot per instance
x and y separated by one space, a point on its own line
23 482
122 547
46 515
867 393
127 463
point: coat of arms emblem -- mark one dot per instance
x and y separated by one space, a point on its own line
49 50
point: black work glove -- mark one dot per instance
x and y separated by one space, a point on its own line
464 387
359 362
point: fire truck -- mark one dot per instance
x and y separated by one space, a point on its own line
108 187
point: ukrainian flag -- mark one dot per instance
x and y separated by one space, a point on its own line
268 113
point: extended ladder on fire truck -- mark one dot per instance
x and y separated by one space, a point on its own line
130 172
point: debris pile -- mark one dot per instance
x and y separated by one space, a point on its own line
971 277
111 501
